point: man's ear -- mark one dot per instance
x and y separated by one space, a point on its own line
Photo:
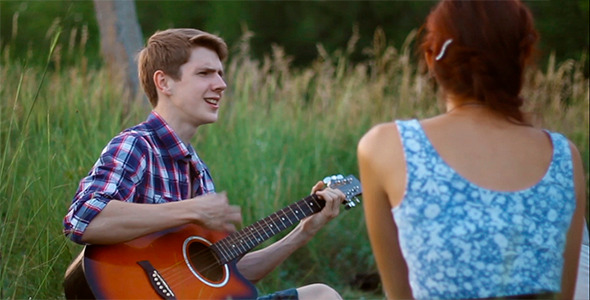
162 82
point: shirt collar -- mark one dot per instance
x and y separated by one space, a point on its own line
172 143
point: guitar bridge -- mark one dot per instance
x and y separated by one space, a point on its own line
157 281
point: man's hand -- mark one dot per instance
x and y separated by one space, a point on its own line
334 198
214 212
256 265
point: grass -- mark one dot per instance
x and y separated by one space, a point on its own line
281 129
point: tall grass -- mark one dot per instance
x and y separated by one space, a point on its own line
281 129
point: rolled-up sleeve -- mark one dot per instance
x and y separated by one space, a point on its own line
114 176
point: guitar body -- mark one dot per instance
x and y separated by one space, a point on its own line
186 262
175 263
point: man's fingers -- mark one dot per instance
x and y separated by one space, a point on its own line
317 187
229 227
235 214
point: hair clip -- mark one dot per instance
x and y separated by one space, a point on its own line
443 49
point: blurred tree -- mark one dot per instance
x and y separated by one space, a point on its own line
297 26
120 41
563 26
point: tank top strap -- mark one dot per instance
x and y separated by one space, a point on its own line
422 159
561 162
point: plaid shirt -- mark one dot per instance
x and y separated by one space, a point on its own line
147 163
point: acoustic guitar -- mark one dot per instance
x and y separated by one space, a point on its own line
187 262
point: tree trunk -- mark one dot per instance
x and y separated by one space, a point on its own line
120 41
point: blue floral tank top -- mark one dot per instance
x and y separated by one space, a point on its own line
463 241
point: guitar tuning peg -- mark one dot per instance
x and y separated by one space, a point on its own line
349 204
334 178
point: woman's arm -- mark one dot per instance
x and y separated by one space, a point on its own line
574 235
382 174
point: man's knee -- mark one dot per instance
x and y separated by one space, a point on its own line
317 291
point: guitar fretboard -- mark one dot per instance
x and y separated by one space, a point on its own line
240 242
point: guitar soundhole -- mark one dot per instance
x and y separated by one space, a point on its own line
204 262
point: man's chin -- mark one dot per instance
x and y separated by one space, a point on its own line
209 121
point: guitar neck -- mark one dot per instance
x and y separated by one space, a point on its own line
240 242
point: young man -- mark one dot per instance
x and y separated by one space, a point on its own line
154 163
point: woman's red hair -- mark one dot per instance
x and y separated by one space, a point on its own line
492 42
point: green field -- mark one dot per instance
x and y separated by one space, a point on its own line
281 129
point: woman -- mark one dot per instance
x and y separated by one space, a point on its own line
475 202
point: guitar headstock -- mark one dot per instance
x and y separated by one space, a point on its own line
349 185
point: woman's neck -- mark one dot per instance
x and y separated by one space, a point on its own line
452 106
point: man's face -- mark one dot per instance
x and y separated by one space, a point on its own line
197 94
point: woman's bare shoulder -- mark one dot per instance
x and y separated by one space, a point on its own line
381 145
378 134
